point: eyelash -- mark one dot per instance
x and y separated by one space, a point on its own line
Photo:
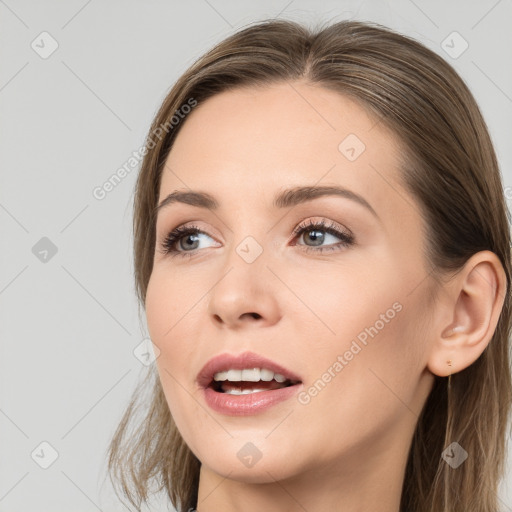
347 239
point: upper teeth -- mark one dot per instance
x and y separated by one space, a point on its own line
250 375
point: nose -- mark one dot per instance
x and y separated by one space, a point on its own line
245 296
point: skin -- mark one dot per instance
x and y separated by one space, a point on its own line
347 448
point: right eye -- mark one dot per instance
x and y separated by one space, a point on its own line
185 237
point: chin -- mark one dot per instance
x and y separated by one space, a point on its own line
267 470
258 461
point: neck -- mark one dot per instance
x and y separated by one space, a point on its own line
368 480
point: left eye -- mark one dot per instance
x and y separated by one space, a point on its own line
187 238
316 236
315 232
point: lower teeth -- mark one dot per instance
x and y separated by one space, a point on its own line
243 391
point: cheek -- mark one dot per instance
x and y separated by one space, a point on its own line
172 325
157 306
173 322
366 337
172 330
347 300
357 391
170 301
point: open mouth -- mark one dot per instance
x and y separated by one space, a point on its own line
250 380
245 384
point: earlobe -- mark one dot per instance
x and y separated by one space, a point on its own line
474 298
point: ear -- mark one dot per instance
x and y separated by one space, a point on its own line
467 314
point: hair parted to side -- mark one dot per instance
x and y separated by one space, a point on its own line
450 167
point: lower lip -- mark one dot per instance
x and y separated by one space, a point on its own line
246 405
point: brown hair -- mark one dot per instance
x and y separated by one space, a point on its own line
449 166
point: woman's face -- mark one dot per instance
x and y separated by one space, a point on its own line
339 309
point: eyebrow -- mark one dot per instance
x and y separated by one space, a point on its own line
285 199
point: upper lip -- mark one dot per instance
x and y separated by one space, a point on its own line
227 361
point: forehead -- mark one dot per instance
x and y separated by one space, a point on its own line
244 145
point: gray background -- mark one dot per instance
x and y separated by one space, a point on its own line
69 324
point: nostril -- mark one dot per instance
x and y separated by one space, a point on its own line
253 315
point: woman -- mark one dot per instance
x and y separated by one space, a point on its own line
322 250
